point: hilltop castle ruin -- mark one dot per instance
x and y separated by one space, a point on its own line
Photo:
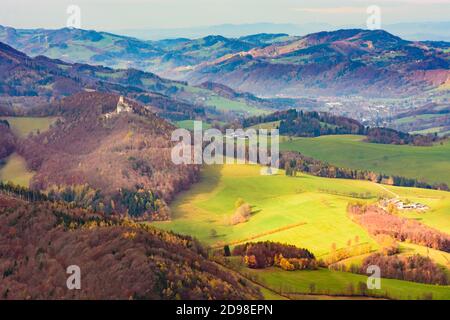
122 107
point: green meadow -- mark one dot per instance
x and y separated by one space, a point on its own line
223 104
15 171
211 99
189 125
305 211
15 168
266 125
299 211
430 164
406 250
335 283
23 126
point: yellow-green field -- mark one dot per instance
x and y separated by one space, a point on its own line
327 282
266 125
439 257
16 171
407 249
23 126
438 216
305 211
223 104
189 125
431 164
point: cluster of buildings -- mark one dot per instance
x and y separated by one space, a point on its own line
401 205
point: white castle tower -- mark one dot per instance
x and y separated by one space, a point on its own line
122 106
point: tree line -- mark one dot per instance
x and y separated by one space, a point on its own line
415 268
308 124
266 254
294 162
391 136
301 123
138 204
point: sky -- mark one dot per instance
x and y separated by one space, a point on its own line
154 14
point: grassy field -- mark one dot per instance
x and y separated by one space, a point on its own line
224 104
439 257
416 118
16 171
305 211
267 125
407 249
189 125
23 126
291 210
429 130
329 282
431 164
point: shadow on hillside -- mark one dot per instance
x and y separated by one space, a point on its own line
209 179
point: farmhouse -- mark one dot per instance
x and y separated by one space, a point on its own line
401 205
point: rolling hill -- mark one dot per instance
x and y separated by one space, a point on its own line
343 62
82 46
29 82
431 118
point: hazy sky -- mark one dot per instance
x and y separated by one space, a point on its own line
132 14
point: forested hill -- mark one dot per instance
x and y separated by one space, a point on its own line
43 239
27 82
99 158
308 124
341 62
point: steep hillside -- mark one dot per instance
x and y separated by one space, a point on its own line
106 160
431 118
7 140
30 82
193 52
117 259
27 82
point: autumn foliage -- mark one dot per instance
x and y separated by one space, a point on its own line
119 259
262 255
415 268
7 140
379 222
117 164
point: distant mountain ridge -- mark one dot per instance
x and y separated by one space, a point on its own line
342 62
415 31
36 82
